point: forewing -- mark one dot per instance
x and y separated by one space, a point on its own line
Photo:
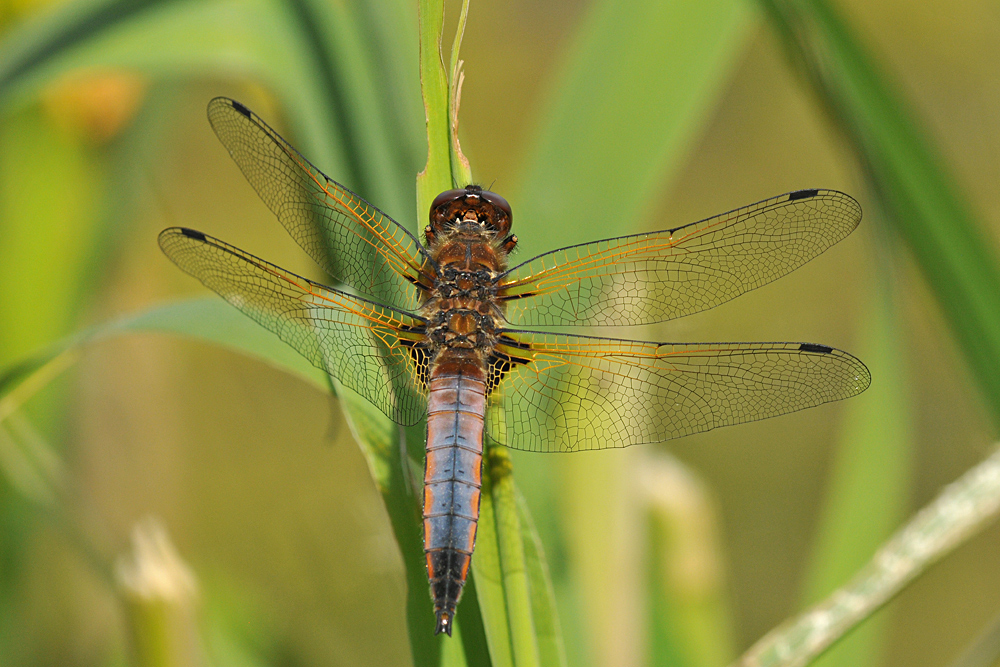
658 276
352 240
366 346
556 393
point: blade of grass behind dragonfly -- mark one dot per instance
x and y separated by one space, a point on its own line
634 91
547 628
436 176
920 197
514 590
382 148
486 570
506 523
504 632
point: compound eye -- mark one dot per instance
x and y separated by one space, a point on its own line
499 202
447 197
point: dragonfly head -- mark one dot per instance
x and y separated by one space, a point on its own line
471 206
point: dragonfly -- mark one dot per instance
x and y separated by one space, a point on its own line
444 330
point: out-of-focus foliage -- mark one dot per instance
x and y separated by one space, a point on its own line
593 119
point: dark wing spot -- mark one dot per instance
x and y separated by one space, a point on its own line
192 234
813 347
802 194
242 109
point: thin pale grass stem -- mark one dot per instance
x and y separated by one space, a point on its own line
959 511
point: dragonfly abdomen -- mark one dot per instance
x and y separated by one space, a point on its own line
456 409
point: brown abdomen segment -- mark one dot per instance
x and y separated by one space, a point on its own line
456 409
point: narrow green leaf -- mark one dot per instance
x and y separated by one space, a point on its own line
382 152
513 566
209 319
470 621
487 570
436 176
548 632
452 652
461 172
212 320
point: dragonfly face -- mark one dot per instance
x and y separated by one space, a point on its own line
440 336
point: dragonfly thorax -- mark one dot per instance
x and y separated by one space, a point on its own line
463 311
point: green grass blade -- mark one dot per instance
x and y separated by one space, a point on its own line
381 151
212 320
208 319
486 569
475 647
513 567
436 176
921 199
962 509
393 47
514 590
461 171
547 629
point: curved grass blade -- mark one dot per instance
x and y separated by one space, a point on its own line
548 630
959 511
212 320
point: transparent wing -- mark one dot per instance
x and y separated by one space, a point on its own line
352 240
556 393
658 276
369 348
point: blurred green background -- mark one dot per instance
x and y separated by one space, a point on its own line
253 471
